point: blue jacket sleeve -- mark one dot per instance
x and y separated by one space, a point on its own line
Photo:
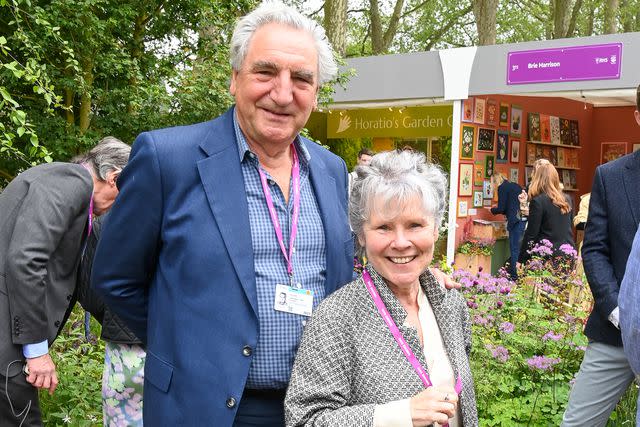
127 253
628 301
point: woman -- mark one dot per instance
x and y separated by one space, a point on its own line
350 369
550 215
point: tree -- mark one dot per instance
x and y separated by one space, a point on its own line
335 24
485 13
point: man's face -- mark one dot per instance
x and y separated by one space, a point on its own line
104 193
277 85
364 160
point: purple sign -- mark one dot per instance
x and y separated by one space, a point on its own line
597 62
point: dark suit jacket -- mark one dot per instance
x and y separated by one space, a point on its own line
614 214
175 262
43 219
546 222
508 203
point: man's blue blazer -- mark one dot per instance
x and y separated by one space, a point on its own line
175 262
614 214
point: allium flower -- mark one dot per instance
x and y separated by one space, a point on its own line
479 320
542 363
499 304
552 336
507 327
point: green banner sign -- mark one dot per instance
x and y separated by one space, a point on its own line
414 122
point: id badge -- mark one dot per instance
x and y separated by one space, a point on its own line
293 300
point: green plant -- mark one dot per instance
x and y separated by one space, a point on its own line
476 247
79 363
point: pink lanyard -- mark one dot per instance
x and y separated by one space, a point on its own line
404 346
295 182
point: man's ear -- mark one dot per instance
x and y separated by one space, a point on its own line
637 115
112 178
232 85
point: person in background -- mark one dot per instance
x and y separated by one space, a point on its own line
614 214
509 206
549 212
523 198
349 370
123 375
364 158
580 220
45 216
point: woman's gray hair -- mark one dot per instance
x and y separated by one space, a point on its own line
275 12
109 154
397 177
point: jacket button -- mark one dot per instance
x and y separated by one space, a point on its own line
231 402
56 323
246 350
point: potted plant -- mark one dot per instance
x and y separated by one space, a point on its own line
474 255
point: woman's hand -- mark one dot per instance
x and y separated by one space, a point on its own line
433 405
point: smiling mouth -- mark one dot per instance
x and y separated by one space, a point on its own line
401 260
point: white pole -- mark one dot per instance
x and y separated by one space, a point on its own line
453 180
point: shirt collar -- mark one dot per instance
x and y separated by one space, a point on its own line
244 151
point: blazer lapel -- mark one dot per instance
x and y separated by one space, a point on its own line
223 184
630 180
324 189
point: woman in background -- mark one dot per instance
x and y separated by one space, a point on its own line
550 215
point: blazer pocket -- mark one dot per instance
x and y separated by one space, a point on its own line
158 372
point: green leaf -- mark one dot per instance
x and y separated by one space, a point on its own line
20 131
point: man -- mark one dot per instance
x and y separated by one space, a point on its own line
191 257
509 206
44 220
364 158
614 214
629 299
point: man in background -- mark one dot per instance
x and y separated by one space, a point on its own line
614 214
45 217
364 158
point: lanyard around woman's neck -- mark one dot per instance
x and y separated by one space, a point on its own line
397 335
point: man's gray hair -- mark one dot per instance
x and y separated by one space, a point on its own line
397 177
275 12
110 154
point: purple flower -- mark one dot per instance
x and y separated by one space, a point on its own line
507 327
552 336
499 304
498 352
479 320
542 363
569 250
505 290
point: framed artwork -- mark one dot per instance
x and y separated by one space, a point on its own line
636 147
478 174
466 142
504 114
554 127
492 112
534 127
566 178
467 110
486 140
480 111
477 199
487 191
514 175
502 150
516 120
465 183
528 171
515 151
462 208
489 164
611 151
545 128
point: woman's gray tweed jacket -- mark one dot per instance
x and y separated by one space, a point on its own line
348 361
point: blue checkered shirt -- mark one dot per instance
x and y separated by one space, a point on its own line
280 332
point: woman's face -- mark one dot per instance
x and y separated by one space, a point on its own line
399 241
